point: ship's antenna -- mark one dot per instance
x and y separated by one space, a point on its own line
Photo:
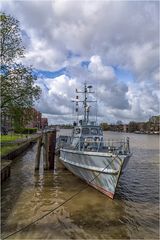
85 102
73 113
96 96
77 109
96 112
96 107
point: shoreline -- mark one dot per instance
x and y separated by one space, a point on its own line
146 133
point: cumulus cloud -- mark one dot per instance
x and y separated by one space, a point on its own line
110 91
56 95
58 92
107 35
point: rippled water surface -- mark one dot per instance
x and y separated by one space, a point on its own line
133 214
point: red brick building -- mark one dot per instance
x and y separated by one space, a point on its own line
44 122
30 118
37 120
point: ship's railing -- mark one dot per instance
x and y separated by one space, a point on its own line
117 146
110 146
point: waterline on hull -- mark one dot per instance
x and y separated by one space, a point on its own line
102 190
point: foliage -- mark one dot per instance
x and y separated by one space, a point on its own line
26 130
7 149
11 138
18 89
155 119
104 126
22 116
133 126
11 43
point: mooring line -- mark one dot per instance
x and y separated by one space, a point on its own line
69 199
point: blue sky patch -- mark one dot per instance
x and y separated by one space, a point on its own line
50 74
85 63
123 75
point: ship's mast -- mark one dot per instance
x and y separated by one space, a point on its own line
85 102
86 90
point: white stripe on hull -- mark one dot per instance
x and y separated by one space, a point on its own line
101 170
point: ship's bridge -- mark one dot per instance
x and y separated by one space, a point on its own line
87 136
89 130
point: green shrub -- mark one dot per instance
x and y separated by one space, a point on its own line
26 130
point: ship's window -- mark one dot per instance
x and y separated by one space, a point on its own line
94 131
77 130
85 131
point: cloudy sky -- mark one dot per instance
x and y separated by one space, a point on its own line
113 45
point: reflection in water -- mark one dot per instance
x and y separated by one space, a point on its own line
27 196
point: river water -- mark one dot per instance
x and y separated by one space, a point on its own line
133 214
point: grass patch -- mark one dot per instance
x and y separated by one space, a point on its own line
8 145
7 149
10 138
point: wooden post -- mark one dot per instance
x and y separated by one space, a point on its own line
49 144
45 152
51 148
38 154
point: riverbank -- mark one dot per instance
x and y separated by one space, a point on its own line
135 132
16 150
12 147
150 133
5 170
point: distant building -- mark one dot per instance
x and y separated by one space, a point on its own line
30 118
155 119
125 128
155 123
35 122
44 122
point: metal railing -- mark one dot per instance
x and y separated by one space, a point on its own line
110 146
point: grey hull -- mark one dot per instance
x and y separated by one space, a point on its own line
100 170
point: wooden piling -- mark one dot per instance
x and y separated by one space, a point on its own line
45 151
38 154
48 141
51 148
